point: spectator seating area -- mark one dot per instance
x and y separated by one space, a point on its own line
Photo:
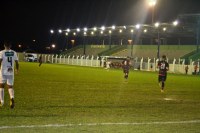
145 51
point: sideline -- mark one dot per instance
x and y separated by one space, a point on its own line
100 124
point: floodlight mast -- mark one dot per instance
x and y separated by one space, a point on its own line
152 4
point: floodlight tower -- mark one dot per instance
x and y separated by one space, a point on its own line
158 37
152 4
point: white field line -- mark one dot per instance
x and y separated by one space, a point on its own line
101 124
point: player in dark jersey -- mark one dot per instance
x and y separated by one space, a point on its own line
40 60
126 67
163 67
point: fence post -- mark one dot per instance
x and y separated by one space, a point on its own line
60 59
82 60
92 60
141 62
72 59
97 61
173 69
77 60
52 58
148 66
87 60
64 61
68 59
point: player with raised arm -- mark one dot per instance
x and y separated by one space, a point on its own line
7 59
163 67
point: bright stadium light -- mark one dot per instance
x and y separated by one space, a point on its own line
85 33
85 29
78 30
124 27
67 34
132 30
95 28
157 25
74 33
175 23
152 2
68 30
51 31
53 45
103 28
101 32
92 33
138 26
110 31
164 29
60 31
113 27
120 31
145 30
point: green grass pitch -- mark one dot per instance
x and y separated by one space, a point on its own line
61 98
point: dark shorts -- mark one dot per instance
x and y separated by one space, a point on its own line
126 71
162 78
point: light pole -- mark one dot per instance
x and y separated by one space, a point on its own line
152 4
132 42
110 32
158 38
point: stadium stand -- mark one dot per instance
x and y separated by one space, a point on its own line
145 51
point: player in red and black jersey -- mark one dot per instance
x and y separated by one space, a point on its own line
126 67
163 67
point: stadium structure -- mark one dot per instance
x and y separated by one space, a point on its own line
143 43
178 39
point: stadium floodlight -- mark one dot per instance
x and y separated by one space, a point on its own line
120 31
85 29
85 33
175 23
74 33
110 31
92 33
95 28
132 30
124 27
60 31
51 31
113 27
103 28
152 3
19 45
101 32
78 30
164 29
53 45
68 30
66 33
138 26
157 25
145 30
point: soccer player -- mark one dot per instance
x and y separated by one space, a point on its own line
40 60
7 59
163 67
126 67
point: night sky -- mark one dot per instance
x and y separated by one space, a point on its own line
24 21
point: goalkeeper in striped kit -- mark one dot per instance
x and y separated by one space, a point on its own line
7 59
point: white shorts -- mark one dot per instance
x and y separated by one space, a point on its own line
9 79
